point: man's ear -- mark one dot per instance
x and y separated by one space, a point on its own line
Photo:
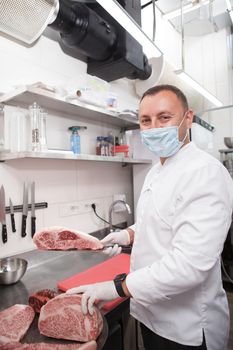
189 118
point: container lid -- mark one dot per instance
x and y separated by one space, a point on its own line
76 128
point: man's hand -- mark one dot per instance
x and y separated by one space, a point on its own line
112 251
118 237
104 291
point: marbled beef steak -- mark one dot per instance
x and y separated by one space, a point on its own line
62 318
40 298
91 345
61 238
14 322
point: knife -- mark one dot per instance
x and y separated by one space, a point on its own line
12 216
3 214
25 210
33 217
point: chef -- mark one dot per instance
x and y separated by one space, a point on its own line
183 216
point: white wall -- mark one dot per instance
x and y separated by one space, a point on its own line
60 182
209 60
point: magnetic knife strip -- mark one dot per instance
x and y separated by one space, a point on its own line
19 208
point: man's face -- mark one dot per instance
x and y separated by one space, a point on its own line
164 109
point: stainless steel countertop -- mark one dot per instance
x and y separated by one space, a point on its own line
45 269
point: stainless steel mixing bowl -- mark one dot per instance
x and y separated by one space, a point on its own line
12 270
228 142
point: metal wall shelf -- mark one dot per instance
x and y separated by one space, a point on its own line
26 95
7 156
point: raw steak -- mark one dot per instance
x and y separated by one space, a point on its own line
14 322
61 238
40 298
62 317
91 345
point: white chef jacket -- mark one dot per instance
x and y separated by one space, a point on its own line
183 216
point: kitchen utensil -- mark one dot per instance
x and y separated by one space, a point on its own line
228 142
33 217
25 211
124 248
3 214
12 270
12 216
104 271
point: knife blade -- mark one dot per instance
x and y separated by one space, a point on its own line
25 211
12 216
3 214
33 217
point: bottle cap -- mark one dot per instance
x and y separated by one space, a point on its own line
76 128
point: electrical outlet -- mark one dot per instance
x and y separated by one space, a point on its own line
86 205
119 207
79 207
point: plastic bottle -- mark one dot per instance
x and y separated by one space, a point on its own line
111 143
75 138
102 147
98 145
107 145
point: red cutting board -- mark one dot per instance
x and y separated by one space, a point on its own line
104 271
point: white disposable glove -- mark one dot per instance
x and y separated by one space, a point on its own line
118 237
112 251
103 291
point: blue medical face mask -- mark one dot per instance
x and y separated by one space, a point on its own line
163 141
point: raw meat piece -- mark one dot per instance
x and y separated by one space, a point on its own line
91 345
40 298
61 238
14 322
62 317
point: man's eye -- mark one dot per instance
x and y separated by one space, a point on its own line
145 121
165 117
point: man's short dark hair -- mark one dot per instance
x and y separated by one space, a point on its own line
166 87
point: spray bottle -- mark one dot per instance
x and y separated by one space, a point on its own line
75 138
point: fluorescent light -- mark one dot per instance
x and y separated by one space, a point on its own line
187 8
128 23
231 15
196 86
229 7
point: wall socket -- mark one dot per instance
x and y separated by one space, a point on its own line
79 207
119 207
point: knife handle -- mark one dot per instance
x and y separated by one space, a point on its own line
24 222
4 233
13 223
33 225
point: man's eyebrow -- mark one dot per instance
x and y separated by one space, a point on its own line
144 116
165 112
